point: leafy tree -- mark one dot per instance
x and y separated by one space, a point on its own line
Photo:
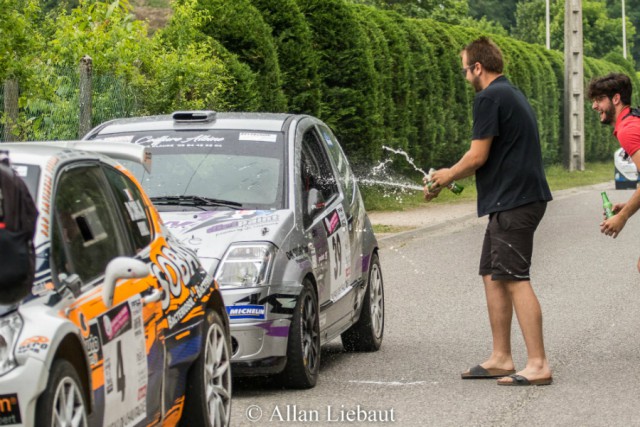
240 28
450 11
632 13
346 70
501 12
602 34
51 5
297 57
18 43
189 70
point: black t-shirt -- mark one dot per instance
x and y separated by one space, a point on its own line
513 174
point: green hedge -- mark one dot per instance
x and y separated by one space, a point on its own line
376 77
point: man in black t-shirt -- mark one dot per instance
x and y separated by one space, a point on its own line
506 158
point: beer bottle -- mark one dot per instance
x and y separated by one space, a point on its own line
606 205
454 186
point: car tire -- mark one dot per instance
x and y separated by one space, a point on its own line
208 393
366 334
303 345
63 401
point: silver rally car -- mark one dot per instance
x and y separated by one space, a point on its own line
271 206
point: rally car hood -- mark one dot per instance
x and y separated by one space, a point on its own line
211 233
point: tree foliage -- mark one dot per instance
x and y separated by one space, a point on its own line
450 11
18 43
376 76
296 54
601 33
239 26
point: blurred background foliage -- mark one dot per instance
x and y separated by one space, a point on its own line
379 72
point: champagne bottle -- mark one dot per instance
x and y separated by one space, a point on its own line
606 205
454 186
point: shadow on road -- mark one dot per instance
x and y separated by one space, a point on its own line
331 354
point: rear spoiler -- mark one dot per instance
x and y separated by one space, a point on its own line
116 150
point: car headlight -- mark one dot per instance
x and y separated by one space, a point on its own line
10 327
246 264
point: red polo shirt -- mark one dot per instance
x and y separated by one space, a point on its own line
627 131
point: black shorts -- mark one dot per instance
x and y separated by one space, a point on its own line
508 242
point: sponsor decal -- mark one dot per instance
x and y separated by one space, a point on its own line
92 344
34 344
184 309
174 268
9 410
166 141
246 312
262 137
332 222
296 252
115 322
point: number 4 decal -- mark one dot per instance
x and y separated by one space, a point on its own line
120 376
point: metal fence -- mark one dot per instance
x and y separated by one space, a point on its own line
64 105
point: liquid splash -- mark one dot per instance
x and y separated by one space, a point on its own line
369 181
406 156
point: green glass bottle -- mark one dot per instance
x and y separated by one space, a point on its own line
606 205
454 186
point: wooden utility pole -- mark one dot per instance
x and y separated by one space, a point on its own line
86 66
11 94
573 87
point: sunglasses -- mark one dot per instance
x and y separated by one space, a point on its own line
464 69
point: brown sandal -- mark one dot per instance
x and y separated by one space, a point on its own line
519 380
478 372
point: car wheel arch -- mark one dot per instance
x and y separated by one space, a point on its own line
216 303
71 349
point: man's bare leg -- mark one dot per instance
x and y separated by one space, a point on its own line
529 314
500 308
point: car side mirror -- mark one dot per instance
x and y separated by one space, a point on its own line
121 268
315 202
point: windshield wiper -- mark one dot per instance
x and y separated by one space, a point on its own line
194 201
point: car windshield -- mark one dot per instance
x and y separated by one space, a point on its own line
211 169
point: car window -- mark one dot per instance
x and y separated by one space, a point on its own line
132 208
86 234
340 160
315 171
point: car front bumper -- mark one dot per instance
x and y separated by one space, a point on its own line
260 318
19 392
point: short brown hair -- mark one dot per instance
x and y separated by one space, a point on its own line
486 52
609 85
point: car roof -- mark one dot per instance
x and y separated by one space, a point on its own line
40 153
271 122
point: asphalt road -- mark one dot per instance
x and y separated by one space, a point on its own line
436 327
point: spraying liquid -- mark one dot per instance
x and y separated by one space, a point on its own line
409 159
454 187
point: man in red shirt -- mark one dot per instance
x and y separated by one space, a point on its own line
611 96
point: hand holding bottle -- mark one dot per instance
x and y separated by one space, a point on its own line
614 222
433 179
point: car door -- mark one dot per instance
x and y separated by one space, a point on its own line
326 230
94 215
353 206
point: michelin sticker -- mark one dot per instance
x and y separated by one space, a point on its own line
246 312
